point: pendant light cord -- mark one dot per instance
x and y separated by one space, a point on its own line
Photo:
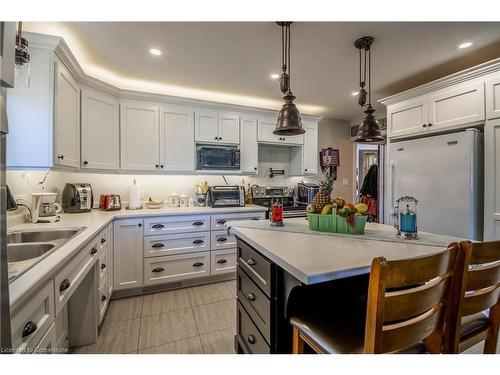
285 52
289 53
369 78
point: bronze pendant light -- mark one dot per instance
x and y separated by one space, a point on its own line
289 121
369 131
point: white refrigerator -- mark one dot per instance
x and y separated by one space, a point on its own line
445 174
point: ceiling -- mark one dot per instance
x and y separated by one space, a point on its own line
232 62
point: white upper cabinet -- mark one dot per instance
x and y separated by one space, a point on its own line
266 127
493 97
100 131
228 128
67 118
217 127
456 106
140 136
310 149
407 118
206 126
249 147
177 139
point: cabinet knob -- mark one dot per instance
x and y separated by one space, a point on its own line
64 285
429 124
198 223
93 251
198 242
221 261
103 241
60 157
424 125
161 166
103 298
251 262
157 245
222 239
85 162
216 138
254 168
221 221
157 165
139 225
159 269
103 266
305 169
251 297
198 264
158 226
251 339
29 328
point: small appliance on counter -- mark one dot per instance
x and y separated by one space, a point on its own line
266 196
77 198
44 208
405 221
227 196
305 192
110 202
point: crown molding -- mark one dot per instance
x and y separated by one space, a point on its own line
64 54
462 76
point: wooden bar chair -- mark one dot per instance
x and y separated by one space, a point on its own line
480 291
407 303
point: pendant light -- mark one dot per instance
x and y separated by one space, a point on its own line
23 60
369 131
289 121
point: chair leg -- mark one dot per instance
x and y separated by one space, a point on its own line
298 343
490 344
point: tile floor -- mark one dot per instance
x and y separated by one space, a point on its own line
199 320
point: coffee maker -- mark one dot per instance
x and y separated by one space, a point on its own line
44 208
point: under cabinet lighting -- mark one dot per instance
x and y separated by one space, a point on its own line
275 76
155 52
465 45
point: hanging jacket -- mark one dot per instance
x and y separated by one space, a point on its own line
370 183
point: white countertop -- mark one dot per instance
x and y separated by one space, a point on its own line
94 222
314 258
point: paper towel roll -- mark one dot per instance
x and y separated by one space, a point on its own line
134 196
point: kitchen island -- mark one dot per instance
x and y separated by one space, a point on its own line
280 269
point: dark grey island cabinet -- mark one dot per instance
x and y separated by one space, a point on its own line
267 296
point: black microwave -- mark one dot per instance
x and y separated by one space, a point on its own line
218 157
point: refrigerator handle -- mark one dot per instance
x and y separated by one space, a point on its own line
391 199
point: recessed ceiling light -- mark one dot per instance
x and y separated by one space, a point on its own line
355 93
465 45
275 76
155 51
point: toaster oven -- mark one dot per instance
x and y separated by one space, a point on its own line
227 196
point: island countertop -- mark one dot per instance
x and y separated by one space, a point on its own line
313 257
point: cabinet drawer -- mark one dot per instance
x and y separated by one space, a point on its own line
172 244
255 302
249 333
103 266
176 224
170 268
48 343
218 221
35 316
67 280
103 299
256 266
103 239
222 240
223 261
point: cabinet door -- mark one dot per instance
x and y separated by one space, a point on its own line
100 131
458 106
249 147
265 134
127 254
407 118
493 98
206 126
310 149
177 135
67 119
140 137
228 128
492 180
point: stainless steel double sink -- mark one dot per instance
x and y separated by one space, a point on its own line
35 245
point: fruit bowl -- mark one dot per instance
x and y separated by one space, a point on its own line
337 224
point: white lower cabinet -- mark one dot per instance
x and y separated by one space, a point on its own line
222 240
172 244
160 270
223 261
128 253
176 224
33 319
48 343
62 330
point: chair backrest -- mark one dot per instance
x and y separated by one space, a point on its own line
407 300
480 289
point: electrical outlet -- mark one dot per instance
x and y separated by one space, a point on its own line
345 182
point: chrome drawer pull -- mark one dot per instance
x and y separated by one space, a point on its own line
251 262
222 239
159 269
251 297
158 226
64 285
198 242
198 264
158 245
29 328
198 223
222 261
221 221
251 339
103 266
93 251
103 298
